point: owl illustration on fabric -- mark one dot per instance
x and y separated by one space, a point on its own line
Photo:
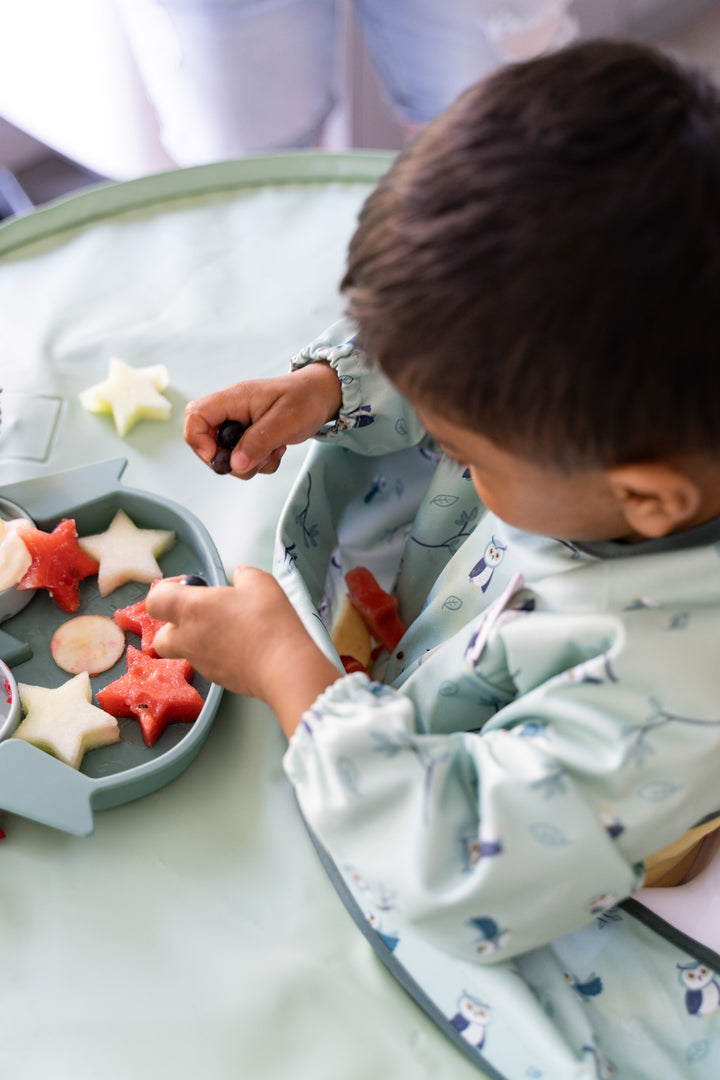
482 846
482 572
586 989
359 417
471 1019
702 989
490 935
612 824
390 940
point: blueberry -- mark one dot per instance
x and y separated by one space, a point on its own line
192 579
227 437
229 434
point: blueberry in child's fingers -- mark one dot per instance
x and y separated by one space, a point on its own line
192 579
229 434
227 437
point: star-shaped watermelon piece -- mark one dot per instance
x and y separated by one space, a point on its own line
136 619
63 721
58 563
156 692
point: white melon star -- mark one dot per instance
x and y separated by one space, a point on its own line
130 394
63 721
15 558
126 553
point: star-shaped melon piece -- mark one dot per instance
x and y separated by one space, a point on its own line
15 559
127 553
136 619
63 721
156 692
130 394
58 563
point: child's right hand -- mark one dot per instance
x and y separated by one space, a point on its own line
286 409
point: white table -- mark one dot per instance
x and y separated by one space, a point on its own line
195 932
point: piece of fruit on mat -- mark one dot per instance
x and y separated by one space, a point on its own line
130 394
58 564
136 619
378 608
91 643
350 635
127 553
63 721
156 692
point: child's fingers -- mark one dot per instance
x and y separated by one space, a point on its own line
272 461
164 601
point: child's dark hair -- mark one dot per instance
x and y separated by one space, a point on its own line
542 264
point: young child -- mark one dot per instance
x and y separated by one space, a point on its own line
522 440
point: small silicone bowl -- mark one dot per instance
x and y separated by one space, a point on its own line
13 600
9 702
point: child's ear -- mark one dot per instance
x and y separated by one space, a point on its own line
656 498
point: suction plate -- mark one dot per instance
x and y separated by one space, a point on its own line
32 782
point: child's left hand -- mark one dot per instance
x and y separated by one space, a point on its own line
246 637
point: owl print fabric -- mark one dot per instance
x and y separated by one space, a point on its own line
549 720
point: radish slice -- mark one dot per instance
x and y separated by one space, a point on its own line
91 643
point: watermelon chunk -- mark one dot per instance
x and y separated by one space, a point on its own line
155 692
58 563
136 619
378 608
351 664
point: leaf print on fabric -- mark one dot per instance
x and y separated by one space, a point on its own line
679 621
428 762
658 791
548 835
640 746
444 500
697 1051
349 775
379 484
466 524
309 532
639 603
452 603
574 552
607 918
550 785
448 688
290 556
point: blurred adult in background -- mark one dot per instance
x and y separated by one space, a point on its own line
128 87
231 77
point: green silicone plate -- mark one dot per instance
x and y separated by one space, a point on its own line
32 782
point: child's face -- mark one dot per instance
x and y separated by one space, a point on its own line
537 498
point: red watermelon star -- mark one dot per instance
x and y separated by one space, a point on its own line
136 619
58 563
155 691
